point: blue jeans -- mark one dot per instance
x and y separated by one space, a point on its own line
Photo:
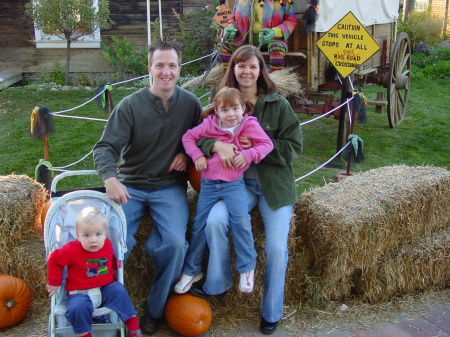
166 244
276 227
80 308
233 194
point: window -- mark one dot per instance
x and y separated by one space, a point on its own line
44 40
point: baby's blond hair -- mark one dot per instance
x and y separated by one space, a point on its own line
90 215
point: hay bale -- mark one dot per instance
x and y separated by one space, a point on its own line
21 202
287 81
413 267
27 262
139 272
353 224
21 241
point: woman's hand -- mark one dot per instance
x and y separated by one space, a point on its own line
245 142
225 152
239 160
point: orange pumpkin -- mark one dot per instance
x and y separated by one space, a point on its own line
194 177
15 300
188 315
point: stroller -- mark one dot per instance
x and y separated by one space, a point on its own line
59 228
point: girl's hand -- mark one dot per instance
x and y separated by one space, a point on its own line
201 163
51 289
226 153
245 142
239 160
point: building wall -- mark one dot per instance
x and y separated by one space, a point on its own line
19 52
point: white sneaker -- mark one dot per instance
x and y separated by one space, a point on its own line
246 282
185 282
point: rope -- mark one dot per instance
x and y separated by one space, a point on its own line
327 113
327 162
76 162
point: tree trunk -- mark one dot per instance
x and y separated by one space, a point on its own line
444 31
408 6
68 60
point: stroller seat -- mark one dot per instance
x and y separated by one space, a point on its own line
59 228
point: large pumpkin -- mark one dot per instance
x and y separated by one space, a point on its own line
15 300
194 177
188 315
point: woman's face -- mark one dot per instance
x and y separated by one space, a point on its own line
247 73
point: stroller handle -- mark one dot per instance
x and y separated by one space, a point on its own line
60 176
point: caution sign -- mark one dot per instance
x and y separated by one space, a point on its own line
223 15
347 45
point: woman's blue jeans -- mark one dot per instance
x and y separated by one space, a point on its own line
166 244
80 308
276 227
233 194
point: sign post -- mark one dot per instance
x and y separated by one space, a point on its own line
347 45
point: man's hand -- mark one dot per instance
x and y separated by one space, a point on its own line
230 33
201 163
239 160
116 191
51 289
266 35
179 163
226 153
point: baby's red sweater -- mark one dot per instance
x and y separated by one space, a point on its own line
86 270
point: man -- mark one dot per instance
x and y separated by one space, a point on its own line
144 131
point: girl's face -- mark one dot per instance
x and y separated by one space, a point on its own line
247 73
230 115
92 236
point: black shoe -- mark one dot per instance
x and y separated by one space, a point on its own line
197 291
267 328
149 325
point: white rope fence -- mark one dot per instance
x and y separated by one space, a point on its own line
60 114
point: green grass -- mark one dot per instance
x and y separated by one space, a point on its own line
421 139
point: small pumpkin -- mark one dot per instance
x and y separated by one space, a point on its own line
194 177
188 315
15 300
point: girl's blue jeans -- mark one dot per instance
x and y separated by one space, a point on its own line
276 227
80 308
233 195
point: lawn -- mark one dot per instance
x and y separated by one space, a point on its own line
421 139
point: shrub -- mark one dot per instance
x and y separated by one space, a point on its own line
123 59
422 27
55 74
431 63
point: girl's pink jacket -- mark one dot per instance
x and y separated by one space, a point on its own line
209 128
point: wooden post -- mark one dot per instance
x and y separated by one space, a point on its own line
108 101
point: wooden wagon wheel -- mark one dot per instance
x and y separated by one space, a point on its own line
399 79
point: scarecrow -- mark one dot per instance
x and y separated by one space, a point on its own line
263 23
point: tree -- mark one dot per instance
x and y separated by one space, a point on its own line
69 19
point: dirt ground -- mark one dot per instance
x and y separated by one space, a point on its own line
331 316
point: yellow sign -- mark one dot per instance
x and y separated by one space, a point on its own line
347 45
223 15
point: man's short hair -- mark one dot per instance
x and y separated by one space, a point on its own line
165 44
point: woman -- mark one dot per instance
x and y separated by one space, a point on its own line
270 185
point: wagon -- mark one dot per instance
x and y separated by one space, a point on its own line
389 67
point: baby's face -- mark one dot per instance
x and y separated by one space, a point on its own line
92 236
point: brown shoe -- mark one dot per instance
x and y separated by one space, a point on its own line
149 325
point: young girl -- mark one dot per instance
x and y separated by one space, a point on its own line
91 280
226 122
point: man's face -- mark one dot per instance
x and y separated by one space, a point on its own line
164 70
